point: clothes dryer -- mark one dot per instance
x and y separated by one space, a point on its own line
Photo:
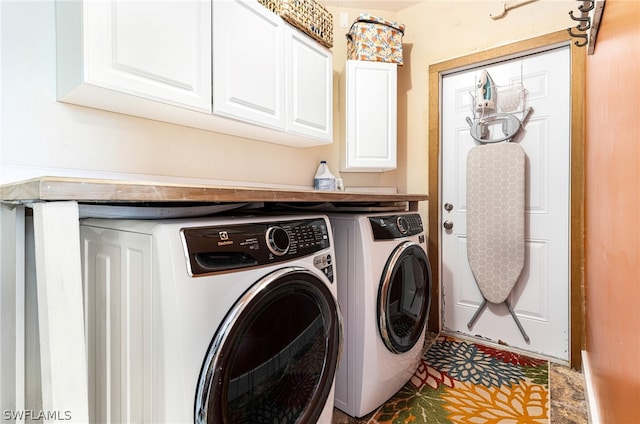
384 291
230 319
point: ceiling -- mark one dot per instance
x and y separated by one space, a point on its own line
390 5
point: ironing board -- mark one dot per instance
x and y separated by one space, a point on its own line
495 221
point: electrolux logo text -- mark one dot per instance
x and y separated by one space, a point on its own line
224 237
33 415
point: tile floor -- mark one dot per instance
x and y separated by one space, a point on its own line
568 404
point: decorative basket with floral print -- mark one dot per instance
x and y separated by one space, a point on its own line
308 16
375 39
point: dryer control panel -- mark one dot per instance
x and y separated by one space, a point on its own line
396 226
222 248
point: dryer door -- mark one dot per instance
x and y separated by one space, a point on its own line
404 297
274 357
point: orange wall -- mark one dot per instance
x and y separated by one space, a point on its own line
613 213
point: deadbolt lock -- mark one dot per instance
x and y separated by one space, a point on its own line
448 207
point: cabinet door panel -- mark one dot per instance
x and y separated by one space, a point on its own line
248 65
152 49
310 87
371 116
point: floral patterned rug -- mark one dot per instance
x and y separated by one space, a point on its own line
465 382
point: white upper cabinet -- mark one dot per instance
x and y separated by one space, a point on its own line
370 105
154 51
309 77
229 66
248 63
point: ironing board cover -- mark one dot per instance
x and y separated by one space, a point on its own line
495 217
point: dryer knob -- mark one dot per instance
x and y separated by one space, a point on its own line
403 224
278 240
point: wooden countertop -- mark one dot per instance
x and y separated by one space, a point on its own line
119 191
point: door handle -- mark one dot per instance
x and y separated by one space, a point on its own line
447 224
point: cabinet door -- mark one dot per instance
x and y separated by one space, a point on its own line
371 116
309 86
153 49
248 64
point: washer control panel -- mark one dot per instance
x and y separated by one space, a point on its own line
395 226
222 248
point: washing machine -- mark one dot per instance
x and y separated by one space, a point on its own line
211 320
384 291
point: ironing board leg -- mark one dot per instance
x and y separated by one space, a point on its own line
515 318
477 314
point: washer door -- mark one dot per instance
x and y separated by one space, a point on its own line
274 357
403 297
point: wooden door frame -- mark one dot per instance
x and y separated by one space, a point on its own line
577 185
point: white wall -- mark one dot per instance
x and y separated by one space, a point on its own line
42 136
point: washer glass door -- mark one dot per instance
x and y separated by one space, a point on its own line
403 297
274 357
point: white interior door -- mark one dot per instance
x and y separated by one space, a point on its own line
541 295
